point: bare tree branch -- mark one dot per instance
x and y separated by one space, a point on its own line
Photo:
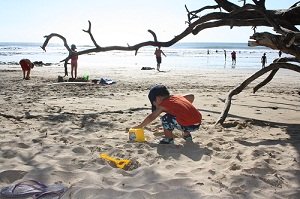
91 35
48 37
154 35
267 80
240 88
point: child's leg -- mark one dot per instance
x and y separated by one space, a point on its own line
168 125
187 131
72 69
187 136
168 133
23 74
75 70
28 74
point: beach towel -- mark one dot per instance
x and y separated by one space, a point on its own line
32 188
147 68
106 81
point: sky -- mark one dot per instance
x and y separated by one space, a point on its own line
114 22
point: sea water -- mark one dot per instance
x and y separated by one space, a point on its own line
181 56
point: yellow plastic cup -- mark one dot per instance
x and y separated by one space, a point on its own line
136 135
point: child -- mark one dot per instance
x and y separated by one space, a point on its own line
74 59
180 113
26 66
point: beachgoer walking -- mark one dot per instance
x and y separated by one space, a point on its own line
157 54
225 54
233 58
26 65
74 63
180 113
263 60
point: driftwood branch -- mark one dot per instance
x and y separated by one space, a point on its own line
48 37
273 72
154 35
248 15
89 31
266 81
240 88
97 48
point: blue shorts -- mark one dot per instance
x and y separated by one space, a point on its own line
169 123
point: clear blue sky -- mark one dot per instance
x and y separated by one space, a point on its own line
114 22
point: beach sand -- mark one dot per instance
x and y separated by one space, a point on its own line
55 132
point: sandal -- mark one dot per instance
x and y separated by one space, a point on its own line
31 188
167 141
188 138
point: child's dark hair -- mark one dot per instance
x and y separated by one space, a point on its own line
158 90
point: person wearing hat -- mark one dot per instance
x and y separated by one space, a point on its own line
26 66
180 113
74 64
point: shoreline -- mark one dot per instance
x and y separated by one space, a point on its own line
55 133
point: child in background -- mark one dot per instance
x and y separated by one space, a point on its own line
26 65
180 113
74 59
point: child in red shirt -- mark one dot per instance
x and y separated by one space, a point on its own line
180 113
26 66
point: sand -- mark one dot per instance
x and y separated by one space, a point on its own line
55 132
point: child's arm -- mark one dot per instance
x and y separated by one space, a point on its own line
150 118
189 97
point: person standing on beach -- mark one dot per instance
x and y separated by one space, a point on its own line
157 54
225 54
233 58
263 60
279 53
180 113
26 65
74 64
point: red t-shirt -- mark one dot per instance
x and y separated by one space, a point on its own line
25 64
184 111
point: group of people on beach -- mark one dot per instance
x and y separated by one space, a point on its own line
27 65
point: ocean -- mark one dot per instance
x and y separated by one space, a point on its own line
181 56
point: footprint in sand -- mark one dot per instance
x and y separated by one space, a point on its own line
80 150
23 146
170 166
235 167
8 154
141 151
10 176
